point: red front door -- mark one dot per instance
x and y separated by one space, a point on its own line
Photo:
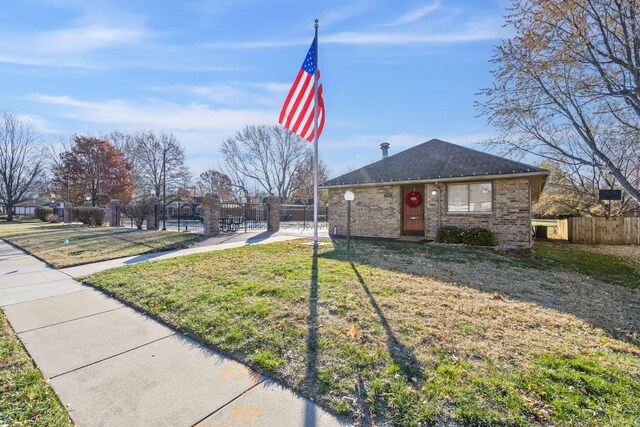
413 211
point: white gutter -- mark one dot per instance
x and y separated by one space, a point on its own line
441 179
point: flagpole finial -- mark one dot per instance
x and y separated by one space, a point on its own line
316 22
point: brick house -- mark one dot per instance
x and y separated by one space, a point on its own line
434 184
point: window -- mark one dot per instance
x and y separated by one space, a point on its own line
469 197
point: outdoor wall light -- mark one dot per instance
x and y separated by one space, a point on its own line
434 192
349 196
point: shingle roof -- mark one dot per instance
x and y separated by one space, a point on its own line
434 159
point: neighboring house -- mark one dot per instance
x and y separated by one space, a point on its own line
185 207
435 184
28 207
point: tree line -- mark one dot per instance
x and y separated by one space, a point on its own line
131 167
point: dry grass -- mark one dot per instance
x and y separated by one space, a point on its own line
612 308
441 333
89 244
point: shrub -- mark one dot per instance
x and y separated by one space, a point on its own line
89 216
138 212
53 219
41 213
479 237
449 234
475 236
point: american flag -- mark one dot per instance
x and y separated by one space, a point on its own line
298 112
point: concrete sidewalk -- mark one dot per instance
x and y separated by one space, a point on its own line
111 365
222 242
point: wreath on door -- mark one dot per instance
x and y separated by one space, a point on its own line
413 199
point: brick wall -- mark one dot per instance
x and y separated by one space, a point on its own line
509 220
377 212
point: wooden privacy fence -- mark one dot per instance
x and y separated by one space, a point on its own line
600 231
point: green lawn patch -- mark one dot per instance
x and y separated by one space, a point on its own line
402 336
25 396
600 266
89 244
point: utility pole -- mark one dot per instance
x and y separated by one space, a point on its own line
98 202
164 190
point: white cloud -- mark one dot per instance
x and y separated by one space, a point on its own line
40 124
414 15
153 113
68 47
377 38
344 12
471 31
235 93
83 39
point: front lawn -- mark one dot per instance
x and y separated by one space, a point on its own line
408 334
25 396
611 264
89 244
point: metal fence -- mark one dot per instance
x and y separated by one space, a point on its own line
184 219
234 217
243 217
301 216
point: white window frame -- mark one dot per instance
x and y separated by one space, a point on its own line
470 212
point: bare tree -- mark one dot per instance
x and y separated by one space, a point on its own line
269 156
567 86
215 182
22 163
126 143
147 150
138 211
303 179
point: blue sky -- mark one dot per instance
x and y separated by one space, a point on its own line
396 71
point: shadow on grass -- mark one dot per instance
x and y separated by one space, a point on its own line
311 376
401 355
612 308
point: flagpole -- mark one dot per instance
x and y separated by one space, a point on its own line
315 143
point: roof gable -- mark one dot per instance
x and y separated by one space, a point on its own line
431 160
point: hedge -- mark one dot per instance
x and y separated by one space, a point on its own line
89 216
449 234
41 213
479 237
475 236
